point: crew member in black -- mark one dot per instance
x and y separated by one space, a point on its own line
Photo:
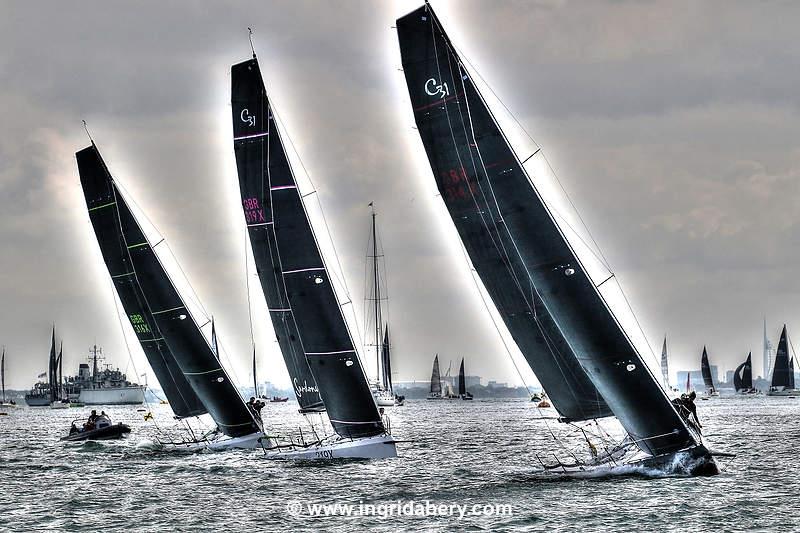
687 408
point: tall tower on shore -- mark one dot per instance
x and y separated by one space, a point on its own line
767 352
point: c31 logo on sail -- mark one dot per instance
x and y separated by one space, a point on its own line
434 89
247 118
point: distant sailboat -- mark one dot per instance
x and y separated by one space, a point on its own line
312 333
705 370
42 394
552 308
381 387
4 402
59 401
783 370
436 381
180 356
399 399
743 377
462 383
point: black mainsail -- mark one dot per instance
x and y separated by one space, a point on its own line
436 380
551 307
387 362
781 375
52 366
743 375
305 311
185 365
462 380
705 370
3 374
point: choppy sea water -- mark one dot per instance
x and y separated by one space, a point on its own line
480 454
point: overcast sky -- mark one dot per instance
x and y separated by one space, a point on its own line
674 126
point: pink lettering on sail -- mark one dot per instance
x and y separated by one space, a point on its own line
253 213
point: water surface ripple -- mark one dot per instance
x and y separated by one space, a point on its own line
465 453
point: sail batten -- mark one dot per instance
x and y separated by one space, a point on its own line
550 305
313 336
179 354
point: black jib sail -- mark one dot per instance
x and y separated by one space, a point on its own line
180 356
550 305
705 370
436 380
305 311
781 375
743 375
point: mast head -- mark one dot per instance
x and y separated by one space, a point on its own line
250 37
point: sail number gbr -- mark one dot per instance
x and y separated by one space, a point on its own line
139 324
253 212
455 185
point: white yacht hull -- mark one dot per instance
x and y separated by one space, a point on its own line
378 447
222 442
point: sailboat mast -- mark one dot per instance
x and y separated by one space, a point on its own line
3 373
94 363
377 294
